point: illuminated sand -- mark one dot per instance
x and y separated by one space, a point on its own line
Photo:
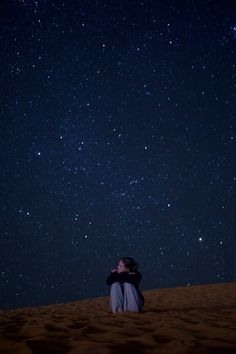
196 319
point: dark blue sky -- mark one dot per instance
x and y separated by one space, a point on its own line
118 138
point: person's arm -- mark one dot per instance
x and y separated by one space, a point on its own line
129 277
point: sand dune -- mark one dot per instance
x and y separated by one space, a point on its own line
195 319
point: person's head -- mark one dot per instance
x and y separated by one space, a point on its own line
127 264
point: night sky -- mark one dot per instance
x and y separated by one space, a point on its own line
118 138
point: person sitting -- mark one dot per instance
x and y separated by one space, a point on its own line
125 294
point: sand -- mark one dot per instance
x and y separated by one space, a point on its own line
193 319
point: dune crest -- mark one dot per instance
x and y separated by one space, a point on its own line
198 319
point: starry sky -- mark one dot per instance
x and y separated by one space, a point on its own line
118 138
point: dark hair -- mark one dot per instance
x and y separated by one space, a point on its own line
130 263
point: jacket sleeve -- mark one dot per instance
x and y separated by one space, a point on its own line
133 278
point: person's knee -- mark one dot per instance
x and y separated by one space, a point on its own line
115 284
126 284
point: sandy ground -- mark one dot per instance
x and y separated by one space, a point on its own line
193 319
